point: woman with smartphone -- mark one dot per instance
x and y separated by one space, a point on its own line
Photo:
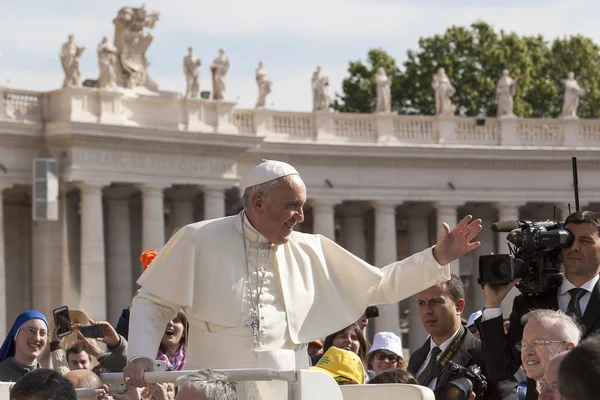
23 346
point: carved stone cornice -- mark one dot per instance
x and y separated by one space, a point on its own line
70 134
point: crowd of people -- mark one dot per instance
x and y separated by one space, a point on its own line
547 349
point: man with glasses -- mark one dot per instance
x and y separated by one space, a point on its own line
578 295
440 308
546 334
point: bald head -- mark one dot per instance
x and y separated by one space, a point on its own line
84 379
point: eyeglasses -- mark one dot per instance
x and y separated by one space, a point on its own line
380 356
536 343
548 388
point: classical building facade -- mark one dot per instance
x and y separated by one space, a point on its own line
133 168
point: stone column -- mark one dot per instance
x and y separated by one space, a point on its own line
507 211
324 217
153 217
385 253
3 302
446 212
214 202
418 240
46 263
353 229
93 263
183 207
118 264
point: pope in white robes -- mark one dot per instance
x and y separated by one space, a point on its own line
256 292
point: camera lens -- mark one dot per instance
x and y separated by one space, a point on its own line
457 389
501 270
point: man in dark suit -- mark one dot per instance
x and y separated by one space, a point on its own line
578 295
440 308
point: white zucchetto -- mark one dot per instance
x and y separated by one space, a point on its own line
267 171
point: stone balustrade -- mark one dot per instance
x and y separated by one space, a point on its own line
168 110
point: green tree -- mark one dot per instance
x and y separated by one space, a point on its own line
474 58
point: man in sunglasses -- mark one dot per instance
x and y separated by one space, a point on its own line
440 309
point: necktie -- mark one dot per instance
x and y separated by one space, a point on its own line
574 308
427 374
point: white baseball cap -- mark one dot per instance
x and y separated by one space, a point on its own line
267 171
387 341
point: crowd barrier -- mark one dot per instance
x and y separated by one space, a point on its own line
301 385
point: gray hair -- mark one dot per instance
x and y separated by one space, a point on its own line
562 324
262 188
215 385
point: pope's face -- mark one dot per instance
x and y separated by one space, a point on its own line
284 210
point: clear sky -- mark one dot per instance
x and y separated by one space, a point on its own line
291 37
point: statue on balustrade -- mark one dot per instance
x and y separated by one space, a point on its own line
191 69
505 91
384 91
572 94
107 64
132 38
69 58
443 93
219 69
264 85
320 88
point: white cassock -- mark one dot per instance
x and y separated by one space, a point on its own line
306 289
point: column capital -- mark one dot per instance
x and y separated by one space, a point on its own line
384 206
152 189
90 187
213 191
323 204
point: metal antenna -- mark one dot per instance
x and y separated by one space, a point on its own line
575 183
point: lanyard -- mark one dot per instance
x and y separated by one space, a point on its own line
448 353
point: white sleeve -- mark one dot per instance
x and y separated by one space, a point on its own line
147 323
491 313
408 277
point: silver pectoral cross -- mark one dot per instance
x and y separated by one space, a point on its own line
252 322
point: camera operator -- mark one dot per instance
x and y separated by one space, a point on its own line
577 295
450 345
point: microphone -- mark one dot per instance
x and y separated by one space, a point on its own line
505 226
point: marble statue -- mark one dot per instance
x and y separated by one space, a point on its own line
320 87
571 99
505 91
133 36
191 69
219 69
264 85
384 91
69 58
443 93
107 64
317 75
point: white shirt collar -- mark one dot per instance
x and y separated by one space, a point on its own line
566 285
252 234
444 345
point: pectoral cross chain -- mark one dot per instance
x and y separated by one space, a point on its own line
252 322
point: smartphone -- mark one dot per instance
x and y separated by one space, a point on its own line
160 366
92 331
62 321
